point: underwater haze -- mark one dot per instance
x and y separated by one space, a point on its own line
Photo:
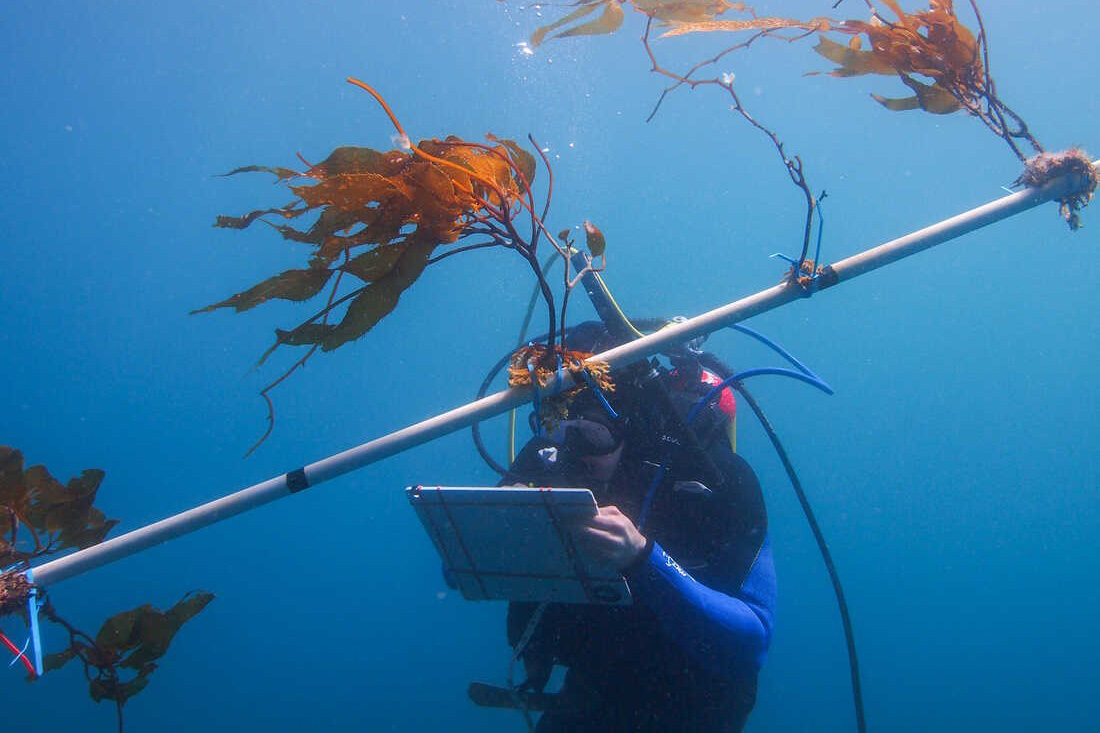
954 472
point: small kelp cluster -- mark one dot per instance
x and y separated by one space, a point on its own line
119 659
539 365
40 516
1074 163
943 63
378 219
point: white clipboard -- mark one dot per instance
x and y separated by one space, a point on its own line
516 544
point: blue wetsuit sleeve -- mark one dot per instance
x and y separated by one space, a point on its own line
723 632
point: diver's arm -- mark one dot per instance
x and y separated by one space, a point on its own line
718 629
724 618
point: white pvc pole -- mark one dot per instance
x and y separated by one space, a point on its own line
448 422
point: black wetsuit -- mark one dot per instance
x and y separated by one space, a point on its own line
685 655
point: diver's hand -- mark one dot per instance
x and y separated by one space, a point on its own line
611 537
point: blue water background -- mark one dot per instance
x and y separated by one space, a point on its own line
954 472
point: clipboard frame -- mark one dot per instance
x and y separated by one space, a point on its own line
516 543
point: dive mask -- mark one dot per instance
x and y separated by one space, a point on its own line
584 437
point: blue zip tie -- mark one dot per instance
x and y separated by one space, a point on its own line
820 231
599 395
535 401
22 653
36 637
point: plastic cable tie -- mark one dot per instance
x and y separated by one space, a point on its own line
535 400
36 636
22 653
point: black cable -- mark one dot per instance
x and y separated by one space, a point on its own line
849 636
475 429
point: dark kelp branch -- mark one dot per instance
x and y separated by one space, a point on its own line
264 393
36 509
793 164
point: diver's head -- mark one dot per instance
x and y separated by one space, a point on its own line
593 426
592 440
650 402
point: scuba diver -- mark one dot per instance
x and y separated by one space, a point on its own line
682 517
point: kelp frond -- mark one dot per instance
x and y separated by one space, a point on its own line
379 218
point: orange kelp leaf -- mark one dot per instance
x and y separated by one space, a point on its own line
755 24
243 222
586 8
57 660
666 11
68 511
60 516
434 195
368 198
523 161
306 334
95 530
931 43
352 159
145 633
280 173
101 690
295 285
486 167
380 297
686 11
609 22
349 191
13 487
929 97
380 216
594 239
374 264
853 61
901 104
80 524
